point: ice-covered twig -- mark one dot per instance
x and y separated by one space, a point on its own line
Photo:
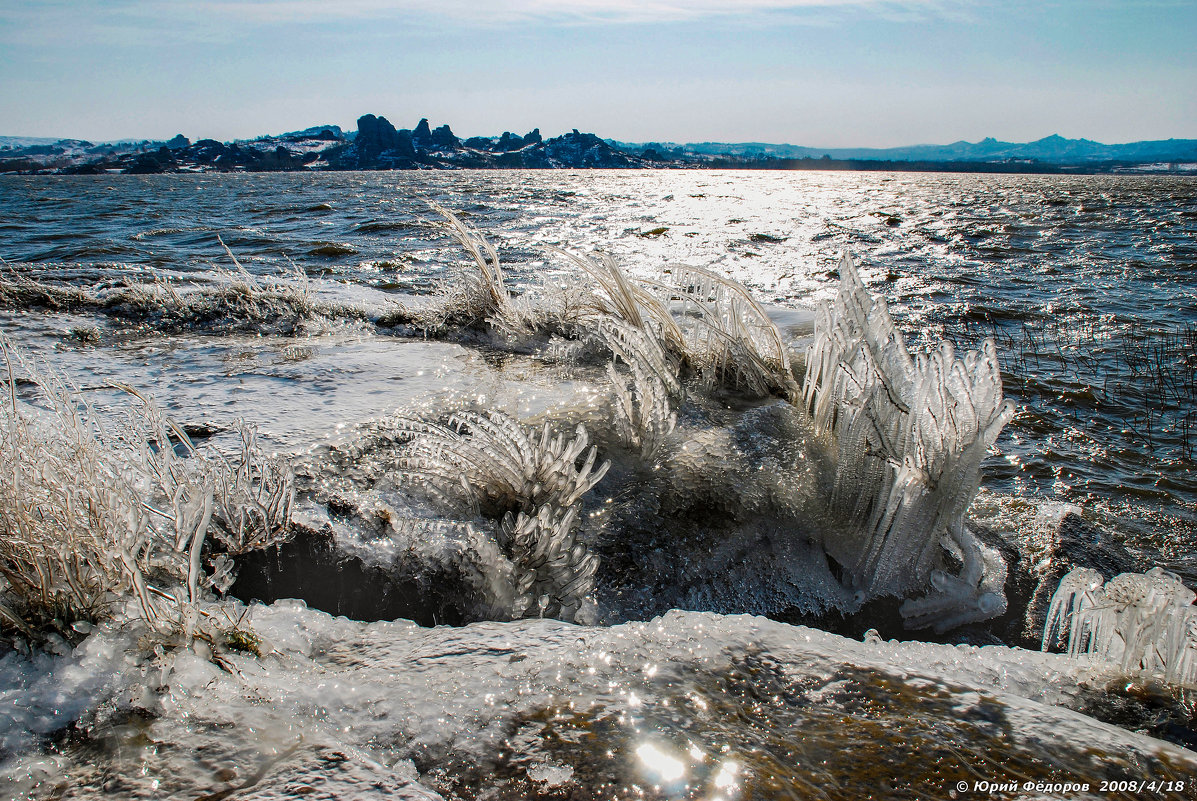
555 571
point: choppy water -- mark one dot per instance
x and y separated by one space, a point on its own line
1088 283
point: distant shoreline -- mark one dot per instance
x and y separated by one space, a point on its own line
376 144
789 165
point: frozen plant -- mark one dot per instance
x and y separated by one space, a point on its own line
238 299
496 464
626 300
554 569
908 435
254 496
1143 622
730 339
97 512
477 292
20 291
528 479
644 415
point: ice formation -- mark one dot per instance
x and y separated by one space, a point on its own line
624 299
731 339
96 513
530 480
750 708
909 436
644 401
233 301
1143 622
478 292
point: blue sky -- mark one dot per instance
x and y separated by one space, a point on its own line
813 72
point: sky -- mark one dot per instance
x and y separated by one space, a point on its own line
823 73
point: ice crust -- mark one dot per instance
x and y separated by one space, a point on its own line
389 709
1145 623
909 436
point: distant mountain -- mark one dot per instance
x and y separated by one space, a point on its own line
376 144
1050 150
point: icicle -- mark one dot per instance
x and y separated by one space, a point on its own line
1072 597
1144 622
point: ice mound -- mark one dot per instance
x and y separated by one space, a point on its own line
1143 622
909 436
692 362
693 703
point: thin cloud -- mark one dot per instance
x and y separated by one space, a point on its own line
484 13
133 23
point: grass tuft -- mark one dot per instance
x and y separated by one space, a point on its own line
96 511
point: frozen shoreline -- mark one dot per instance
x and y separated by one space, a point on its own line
404 706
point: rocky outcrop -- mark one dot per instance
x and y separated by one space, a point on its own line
509 141
378 144
443 138
375 145
584 150
421 137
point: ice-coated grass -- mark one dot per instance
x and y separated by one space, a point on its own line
497 465
235 301
909 436
530 480
19 291
906 434
96 512
476 292
644 397
618 296
731 341
1143 622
